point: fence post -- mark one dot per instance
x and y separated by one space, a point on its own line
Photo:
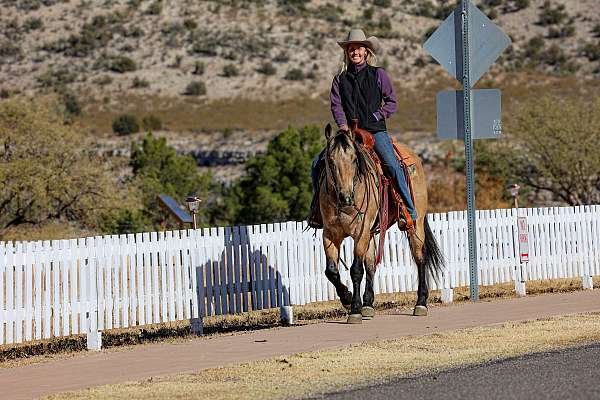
197 324
447 295
287 315
94 336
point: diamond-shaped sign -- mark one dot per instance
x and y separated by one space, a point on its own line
487 42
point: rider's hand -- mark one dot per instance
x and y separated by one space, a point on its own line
344 128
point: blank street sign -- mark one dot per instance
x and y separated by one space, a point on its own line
487 43
487 112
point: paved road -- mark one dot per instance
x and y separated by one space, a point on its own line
572 374
142 362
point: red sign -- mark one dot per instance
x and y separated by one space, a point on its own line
523 239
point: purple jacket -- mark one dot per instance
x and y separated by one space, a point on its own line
389 107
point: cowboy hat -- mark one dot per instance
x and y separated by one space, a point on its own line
358 36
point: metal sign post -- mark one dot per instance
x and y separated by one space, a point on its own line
467 115
466 44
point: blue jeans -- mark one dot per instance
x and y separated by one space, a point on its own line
393 169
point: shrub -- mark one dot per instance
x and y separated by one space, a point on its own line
152 123
521 4
267 68
103 80
292 7
140 83
230 70
122 64
281 58
190 24
492 13
70 102
534 47
9 49
554 56
56 78
382 3
155 8
424 9
294 74
591 51
198 68
596 30
125 124
552 15
195 89
368 13
32 24
562 32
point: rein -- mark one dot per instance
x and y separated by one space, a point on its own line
380 181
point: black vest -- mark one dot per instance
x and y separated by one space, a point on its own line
361 97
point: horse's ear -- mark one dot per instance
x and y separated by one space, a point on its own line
328 131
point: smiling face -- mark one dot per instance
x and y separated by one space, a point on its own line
357 53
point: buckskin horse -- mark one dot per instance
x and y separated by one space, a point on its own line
349 200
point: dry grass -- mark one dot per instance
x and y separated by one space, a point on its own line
308 374
117 339
416 106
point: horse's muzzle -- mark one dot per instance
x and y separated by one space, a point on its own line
345 200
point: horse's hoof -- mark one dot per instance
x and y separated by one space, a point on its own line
420 311
347 306
367 312
354 319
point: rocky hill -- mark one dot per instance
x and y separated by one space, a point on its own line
207 65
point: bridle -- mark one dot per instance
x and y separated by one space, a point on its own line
331 182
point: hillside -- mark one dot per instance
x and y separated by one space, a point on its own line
262 64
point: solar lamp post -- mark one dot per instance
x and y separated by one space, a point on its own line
514 192
193 204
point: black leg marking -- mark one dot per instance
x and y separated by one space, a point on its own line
333 274
356 273
423 290
369 295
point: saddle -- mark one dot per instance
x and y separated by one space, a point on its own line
392 209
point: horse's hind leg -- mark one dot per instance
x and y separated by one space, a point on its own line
367 309
417 247
332 255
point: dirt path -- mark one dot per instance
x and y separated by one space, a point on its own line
162 359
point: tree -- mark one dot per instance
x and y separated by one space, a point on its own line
46 172
158 169
277 185
552 146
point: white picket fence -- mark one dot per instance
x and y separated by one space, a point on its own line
89 285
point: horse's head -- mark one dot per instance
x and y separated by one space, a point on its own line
342 164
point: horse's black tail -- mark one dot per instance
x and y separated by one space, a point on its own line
432 255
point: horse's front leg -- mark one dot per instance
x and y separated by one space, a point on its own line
357 271
332 255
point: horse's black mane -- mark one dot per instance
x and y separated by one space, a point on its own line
345 142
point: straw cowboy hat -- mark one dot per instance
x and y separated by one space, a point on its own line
358 36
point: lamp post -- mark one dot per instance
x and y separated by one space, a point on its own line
193 204
514 192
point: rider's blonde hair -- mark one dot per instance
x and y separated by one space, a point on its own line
371 59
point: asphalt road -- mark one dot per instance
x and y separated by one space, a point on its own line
565 375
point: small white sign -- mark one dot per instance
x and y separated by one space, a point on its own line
523 239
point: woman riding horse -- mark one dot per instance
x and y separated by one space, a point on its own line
349 196
364 93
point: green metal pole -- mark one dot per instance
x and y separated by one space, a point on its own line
468 118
